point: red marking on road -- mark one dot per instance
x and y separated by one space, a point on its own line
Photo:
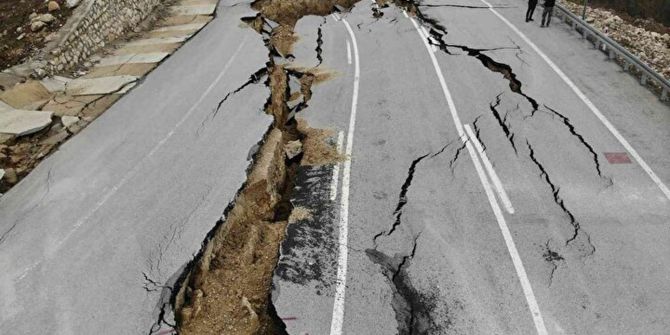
617 158
290 318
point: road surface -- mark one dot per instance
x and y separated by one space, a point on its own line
468 205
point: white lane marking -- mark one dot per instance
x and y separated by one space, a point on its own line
338 304
509 242
136 168
588 103
337 17
336 168
404 12
427 34
348 53
492 172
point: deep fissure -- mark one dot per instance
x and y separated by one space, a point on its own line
226 287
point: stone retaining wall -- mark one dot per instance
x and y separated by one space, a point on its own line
93 24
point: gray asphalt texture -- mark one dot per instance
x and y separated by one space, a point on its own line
92 237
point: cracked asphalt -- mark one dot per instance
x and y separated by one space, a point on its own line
94 239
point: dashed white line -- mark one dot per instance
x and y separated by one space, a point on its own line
348 53
137 167
341 284
511 246
492 172
336 169
588 103
507 236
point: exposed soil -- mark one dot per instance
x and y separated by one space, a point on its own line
14 14
647 39
318 145
226 289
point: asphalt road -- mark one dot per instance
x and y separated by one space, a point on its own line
461 210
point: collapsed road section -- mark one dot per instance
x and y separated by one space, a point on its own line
226 288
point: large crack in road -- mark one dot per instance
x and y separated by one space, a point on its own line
437 35
226 288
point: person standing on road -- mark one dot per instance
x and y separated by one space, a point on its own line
531 10
546 14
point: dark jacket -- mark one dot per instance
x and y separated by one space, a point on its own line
549 3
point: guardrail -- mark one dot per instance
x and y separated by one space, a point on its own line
614 50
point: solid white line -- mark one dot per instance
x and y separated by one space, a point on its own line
337 17
492 172
509 242
336 168
588 103
443 83
404 12
341 284
511 247
348 52
137 167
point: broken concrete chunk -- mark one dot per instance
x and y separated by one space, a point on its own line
181 27
4 106
21 122
153 57
68 121
293 149
207 9
25 94
158 40
102 85
55 84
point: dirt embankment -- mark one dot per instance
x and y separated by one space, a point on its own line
227 288
658 10
646 38
20 34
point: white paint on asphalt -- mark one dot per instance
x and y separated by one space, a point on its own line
491 171
338 304
336 168
509 242
348 53
136 168
404 12
588 103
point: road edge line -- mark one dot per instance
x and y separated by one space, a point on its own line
340 289
588 103
507 236
336 168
